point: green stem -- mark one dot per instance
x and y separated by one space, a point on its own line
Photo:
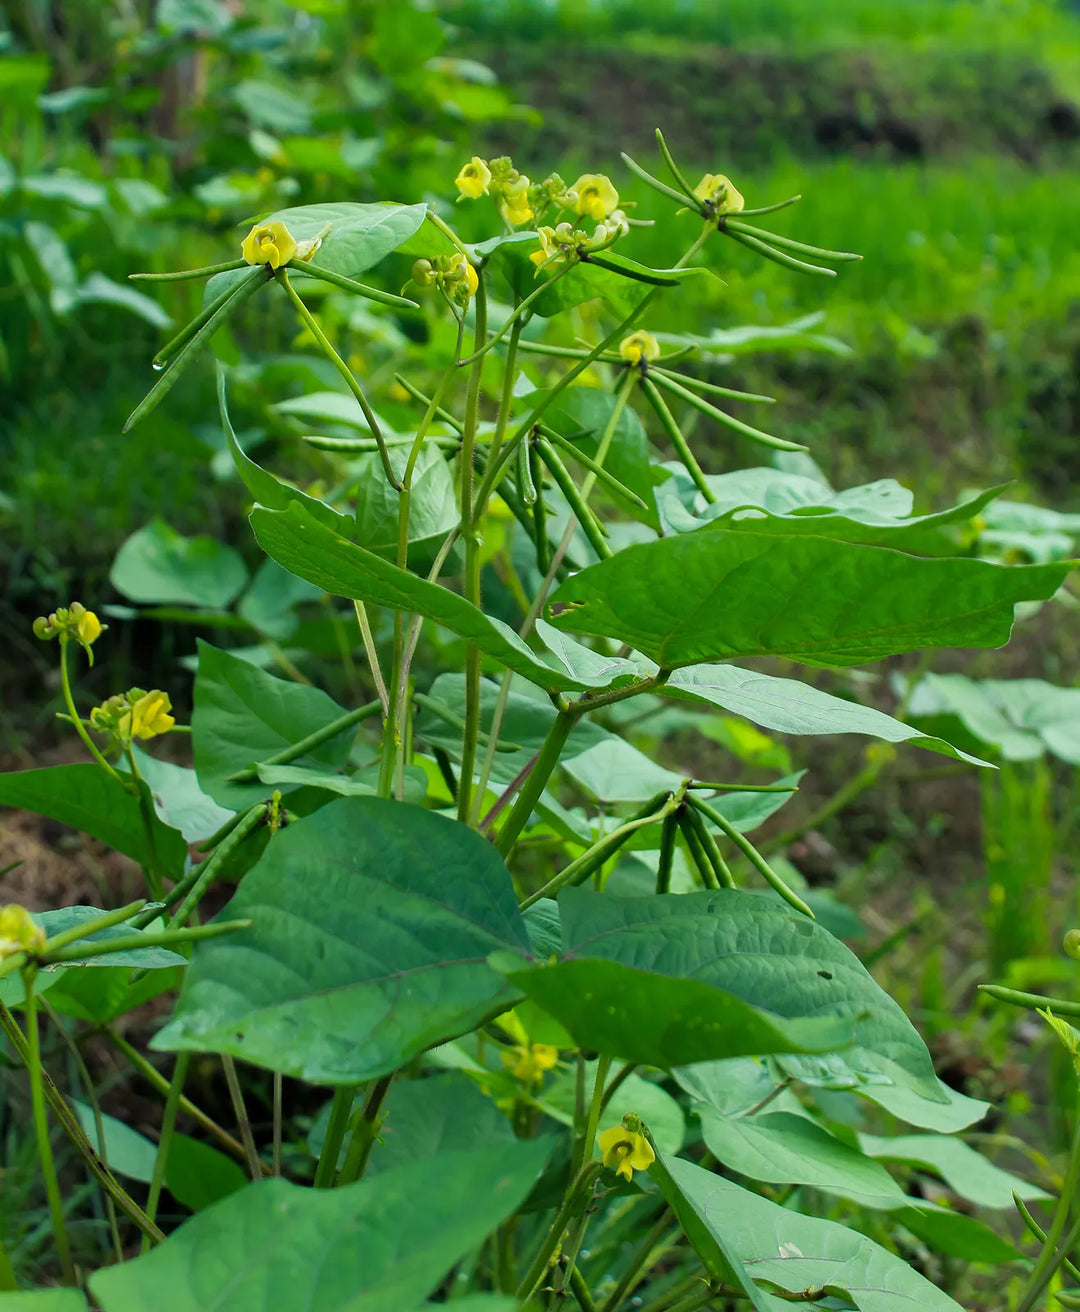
69 702
75 1133
372 654
243 1121
587 1141
639 1262
99 1122
365 1132
470 512
313 326
95 926
515 321
155 1078
543 766
133 942
580 1291
279 1082
1054 1250
1034 1001
1040 1234
308 744
41 1129
168 1129
340 1113
576 1195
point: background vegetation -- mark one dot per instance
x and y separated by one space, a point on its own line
939 138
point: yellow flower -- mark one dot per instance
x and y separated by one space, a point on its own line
19 932
150 715
554 244
639 346
514 206
720 192
596 196
528 1063
474 178
88 628
269 243
625 1150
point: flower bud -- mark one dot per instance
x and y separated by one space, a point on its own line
19 932
423 273
1071 944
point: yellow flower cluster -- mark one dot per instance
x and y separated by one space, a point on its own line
133 714
74 620
498 178
529 1061
19 932
453 274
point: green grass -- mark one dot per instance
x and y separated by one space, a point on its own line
792 25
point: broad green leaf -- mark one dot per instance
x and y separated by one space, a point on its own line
272 106
525 723
360 236
65 918
442 1113
768 1248
269 604
309 549
581 415
178 799
364 783
372 924
780 1147
954 1233
127 1152
101 995
730 954
275 1246
198 1176
788 706
799 335
243 715
877 513
1022 718
615 771
965 1171
433 507
657 1108
946 1111
44 1300
717 594
158 566
601 670
96 288
86 798
266 488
